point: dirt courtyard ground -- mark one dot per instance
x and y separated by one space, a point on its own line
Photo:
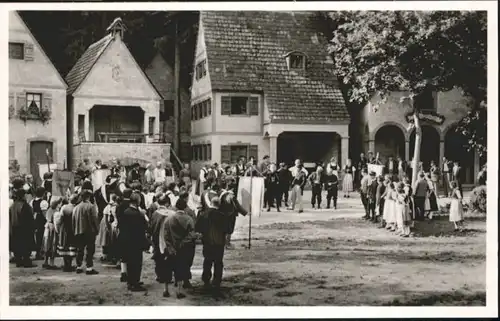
314 258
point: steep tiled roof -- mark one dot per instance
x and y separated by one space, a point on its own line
246 52
83 66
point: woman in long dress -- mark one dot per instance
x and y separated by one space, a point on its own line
333 166
50 238
389 206
403 218
105 233
66 246
456 209
347 181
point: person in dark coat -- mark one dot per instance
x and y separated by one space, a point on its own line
134 175
155 225
285 179
316 180
22 226
379 199
133 227
214 226
229 205
331 182
177 238
371 196
123 204
272 193
189 247
40 206
85 228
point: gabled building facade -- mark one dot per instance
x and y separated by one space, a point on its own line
161 74
386 131
37 103
113 109
263 84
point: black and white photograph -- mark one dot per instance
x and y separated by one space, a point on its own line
251 157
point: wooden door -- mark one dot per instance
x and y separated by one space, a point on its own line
38 155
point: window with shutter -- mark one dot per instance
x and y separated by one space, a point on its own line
253 151
12 105
200 112
225 105
195 152
209 152
204 108
12 151
47 101
195 112
29 53
239 105
204 152
225 154
254 106
21 100
236 151
209 104
34 101
16 50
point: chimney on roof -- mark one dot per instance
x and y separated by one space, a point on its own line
117 27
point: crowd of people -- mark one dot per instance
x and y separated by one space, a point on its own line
127 216
157 211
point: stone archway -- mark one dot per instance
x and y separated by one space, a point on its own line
456 149
390 142
429 148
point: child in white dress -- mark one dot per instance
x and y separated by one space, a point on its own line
402 211
456 209
389 207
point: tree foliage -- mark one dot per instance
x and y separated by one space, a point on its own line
378 52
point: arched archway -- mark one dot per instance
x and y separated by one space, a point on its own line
429 148
455 149
390 142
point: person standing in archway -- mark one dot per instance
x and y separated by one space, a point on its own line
447 167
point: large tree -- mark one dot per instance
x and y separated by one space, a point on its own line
379 52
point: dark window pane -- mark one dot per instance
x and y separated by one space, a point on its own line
16 50
239 105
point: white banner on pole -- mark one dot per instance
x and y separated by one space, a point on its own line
378 169
99 178
44 168
251 200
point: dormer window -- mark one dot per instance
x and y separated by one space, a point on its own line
296 60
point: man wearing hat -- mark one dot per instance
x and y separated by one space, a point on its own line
371 196
29 189
134 175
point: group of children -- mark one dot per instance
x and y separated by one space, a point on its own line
395 204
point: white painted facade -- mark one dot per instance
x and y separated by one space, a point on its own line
34 74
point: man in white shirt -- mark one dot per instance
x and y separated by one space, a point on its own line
203 178
295 169
159 173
